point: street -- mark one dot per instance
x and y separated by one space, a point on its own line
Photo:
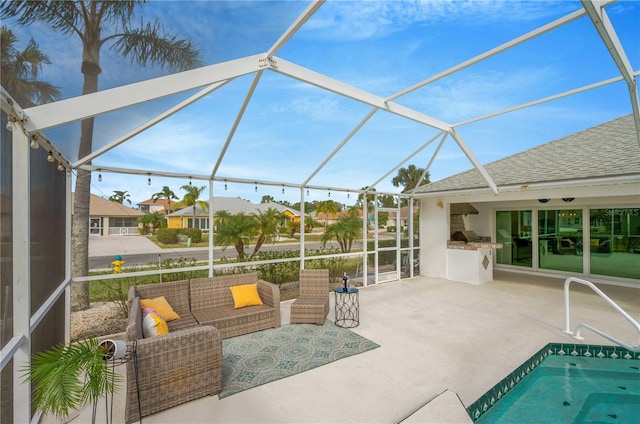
99 261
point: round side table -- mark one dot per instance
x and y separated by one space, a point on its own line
347 307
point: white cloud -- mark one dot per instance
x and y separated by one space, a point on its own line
374 19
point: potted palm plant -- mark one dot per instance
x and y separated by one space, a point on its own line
66 377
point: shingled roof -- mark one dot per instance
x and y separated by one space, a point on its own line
104 207
607 150
233 205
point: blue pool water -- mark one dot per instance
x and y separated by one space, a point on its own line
566 389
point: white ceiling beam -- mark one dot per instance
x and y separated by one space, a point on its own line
161 117
516 41
463 145
600 19
77 108
322 81
302 19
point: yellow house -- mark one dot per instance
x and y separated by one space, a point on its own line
183 218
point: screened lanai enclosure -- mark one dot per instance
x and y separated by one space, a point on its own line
298 101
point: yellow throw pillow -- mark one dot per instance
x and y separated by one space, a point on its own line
161 306
245 295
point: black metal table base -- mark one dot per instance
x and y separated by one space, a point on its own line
347 307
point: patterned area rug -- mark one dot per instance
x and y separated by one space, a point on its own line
258 358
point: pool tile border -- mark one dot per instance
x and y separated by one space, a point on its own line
486 401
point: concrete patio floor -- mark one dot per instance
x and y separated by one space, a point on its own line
436 337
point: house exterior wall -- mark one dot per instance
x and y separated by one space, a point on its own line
434 220
174 222
434 233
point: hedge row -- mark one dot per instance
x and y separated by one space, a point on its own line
170 235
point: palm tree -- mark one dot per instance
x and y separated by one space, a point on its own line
234 230
165 193
267 224
20 70
120 196
345 231
328 207
409 178
89 20
267 199
370 198
153 220
191 198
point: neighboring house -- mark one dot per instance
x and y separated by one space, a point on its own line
328 219
183 218
403 222
569 207
109 218
163 206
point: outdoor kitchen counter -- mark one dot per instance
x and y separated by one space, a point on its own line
471 262
472 245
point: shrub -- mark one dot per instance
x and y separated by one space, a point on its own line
167 235
280 272
195 234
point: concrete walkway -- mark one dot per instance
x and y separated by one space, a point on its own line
439 340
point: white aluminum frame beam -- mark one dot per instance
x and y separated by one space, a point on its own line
322 81
341 145
159 118
600 20
426 169
297 24
540 101
86 106
234 127
503 47
418 150
463 145
21 230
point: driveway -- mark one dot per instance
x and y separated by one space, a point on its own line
120 245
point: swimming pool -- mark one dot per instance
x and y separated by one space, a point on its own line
568 383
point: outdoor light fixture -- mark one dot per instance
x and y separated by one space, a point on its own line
256 187
329 192
11 123
34 142
50 157
568 199
189 180
543 200
99 176
307 192
282 188
68 172
225 184
149 179
348 195
60 167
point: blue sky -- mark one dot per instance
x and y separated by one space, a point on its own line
382 47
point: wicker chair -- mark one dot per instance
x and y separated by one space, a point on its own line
312 305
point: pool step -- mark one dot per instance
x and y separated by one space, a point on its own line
444 408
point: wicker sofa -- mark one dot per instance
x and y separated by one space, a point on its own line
186 364
212 304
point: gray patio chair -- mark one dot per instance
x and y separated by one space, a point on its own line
312 305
